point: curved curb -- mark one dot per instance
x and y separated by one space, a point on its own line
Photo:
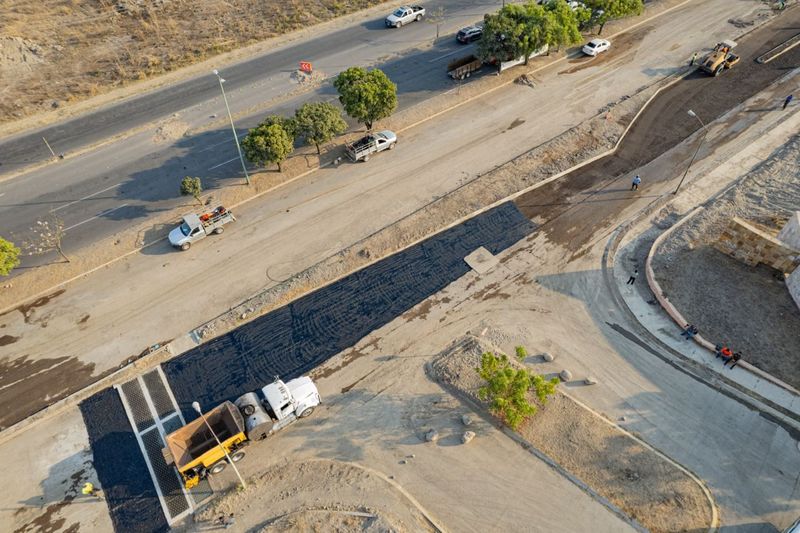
715 521
678 318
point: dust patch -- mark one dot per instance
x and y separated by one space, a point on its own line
169 131
18 57
300 496
634 478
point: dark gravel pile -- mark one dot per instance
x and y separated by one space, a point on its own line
288 342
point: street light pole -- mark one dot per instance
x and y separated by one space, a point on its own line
705 132
233 128
196 406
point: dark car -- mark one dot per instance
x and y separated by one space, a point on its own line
469 34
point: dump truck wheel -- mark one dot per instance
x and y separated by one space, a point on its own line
218 230
185 246
218 467
248 409
238 456
306 412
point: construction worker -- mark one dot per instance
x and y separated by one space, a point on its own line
636 182
694 59
89 490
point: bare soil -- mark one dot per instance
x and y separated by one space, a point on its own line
631 476
748 308
317 495
63 51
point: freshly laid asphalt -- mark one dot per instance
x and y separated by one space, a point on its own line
287 342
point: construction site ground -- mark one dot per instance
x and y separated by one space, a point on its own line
553 273
710 288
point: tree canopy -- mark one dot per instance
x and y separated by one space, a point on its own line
366 95
192 187
319 122
268 143
605 10
9 257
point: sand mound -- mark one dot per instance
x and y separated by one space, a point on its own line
18 56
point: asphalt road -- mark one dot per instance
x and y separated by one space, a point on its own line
102 191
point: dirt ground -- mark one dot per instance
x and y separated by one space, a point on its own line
747 307
104 44
633 477
319 495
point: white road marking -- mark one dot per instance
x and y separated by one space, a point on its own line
227 140
442 57
96 216
223 163
85 197
2 194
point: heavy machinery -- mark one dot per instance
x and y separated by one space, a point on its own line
205 445
720 58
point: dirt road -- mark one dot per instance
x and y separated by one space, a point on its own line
663 124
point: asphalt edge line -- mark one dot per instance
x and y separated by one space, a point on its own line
715 516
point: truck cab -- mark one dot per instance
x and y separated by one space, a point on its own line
278 405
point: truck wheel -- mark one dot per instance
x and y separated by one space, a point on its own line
237 456
248 409
306 412
391 146
218 467
366 158
467 74
398 24
185 246
218 230
419 17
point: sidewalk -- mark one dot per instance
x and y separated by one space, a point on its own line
718 172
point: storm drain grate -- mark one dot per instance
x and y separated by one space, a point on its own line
153 413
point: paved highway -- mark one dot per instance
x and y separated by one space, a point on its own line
103 190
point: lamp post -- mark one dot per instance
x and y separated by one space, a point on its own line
196 406
705 132
233 128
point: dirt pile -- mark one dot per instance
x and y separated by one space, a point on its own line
18 57
748 308
630 475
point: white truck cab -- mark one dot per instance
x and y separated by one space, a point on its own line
278 405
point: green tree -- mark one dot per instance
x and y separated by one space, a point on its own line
267 144
289 124
319 122
605 10
501 39
9 257
564 26
366 95
192 187
507 388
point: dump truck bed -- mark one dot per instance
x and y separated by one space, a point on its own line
188 444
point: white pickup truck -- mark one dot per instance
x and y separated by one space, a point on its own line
195 227
404 15
371 143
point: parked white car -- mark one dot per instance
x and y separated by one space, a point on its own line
596 46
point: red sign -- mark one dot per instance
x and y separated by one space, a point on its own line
305 66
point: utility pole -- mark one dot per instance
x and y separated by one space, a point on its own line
705 132
233 127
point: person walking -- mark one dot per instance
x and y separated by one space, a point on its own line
694 59
632 279
89 490
636 182
787 101
689 331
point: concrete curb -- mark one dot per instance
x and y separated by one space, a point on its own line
527 446
715 522
678 318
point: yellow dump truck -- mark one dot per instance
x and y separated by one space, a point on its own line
197 452
194 450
